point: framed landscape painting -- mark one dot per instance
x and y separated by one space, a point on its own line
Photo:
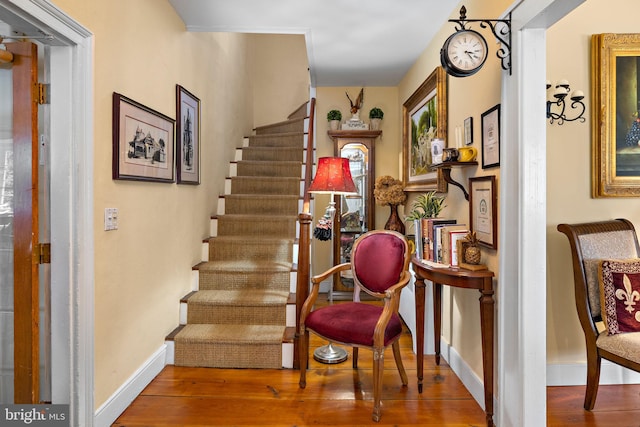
424 119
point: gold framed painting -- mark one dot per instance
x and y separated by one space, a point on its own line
424 119
615 83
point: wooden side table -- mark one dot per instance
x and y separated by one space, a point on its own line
481 280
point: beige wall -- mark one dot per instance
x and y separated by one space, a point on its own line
143 269
569 168
280 75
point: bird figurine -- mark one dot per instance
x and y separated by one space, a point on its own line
357 105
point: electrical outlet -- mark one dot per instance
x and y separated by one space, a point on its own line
110 219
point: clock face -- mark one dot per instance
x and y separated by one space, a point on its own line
464 53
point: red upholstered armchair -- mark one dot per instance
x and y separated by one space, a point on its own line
379 263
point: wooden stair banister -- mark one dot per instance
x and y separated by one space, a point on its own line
304 242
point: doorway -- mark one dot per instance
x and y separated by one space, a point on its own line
25 360
69 54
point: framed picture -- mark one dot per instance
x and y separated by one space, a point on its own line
491 137
615 75
483 210
143 147
424 118
468 131
187 137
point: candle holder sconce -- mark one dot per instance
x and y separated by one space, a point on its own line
560 92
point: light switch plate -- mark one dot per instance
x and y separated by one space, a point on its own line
110 219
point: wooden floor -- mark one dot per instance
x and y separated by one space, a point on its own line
338 395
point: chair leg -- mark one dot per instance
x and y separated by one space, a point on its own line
303 358
593 378
355 357
396 356
378 370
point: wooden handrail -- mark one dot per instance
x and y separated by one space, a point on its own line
304 241
309 159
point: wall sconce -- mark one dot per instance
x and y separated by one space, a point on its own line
562 89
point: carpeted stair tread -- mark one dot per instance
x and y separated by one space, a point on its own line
240 298
257 225
239 306
269 168
256 266
225 334
243 279
265 185
230 346
272 204
272 154
291 139
235 248
293 125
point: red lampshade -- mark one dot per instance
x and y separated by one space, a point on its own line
333 176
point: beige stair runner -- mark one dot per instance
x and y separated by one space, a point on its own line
237 317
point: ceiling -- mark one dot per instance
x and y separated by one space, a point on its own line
349 43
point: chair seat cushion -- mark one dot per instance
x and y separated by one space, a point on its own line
352 323
623 345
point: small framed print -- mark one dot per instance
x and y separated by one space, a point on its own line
491 137
143 142
483 210
188 137
468 131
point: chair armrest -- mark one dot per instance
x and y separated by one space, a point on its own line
391 303
333 270
315 289
395 289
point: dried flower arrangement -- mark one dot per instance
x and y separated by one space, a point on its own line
389 191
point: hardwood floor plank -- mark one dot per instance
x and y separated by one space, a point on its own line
338 395
200 411
616 406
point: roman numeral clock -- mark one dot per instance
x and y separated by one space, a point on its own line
464 52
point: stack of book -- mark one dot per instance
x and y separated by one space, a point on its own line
436 240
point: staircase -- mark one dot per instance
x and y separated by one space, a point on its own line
242 314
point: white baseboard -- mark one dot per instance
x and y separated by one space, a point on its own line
122 398
562 374
473 383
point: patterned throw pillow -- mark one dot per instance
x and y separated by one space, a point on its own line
620 295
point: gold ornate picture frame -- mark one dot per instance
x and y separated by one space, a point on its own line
424 117
615 82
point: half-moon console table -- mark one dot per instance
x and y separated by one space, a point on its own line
481 280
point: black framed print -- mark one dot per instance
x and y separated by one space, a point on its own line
491 137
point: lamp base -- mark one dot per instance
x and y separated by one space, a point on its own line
329 354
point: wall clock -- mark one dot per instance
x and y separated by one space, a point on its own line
463 53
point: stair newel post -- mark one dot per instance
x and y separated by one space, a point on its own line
302 283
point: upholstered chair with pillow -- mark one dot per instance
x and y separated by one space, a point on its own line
380 267
606 273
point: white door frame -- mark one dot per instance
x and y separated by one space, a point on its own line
72 267
522 331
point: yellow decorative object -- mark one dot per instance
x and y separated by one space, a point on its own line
467 154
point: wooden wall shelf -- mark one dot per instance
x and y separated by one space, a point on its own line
446 173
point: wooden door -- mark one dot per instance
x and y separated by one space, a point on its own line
25 222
